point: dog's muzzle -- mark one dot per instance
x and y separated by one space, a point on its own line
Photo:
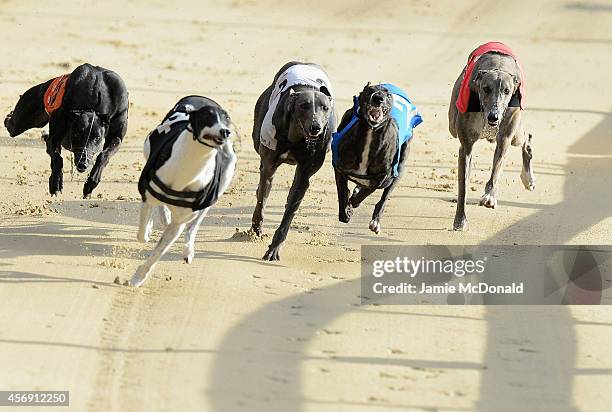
8 121
314 142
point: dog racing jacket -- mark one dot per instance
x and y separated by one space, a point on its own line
299 74
54 95
161 140
403 111
463 101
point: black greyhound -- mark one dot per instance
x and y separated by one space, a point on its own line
298 108
371 146
87 113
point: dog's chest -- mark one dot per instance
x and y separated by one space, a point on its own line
288 157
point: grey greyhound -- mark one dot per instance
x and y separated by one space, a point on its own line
294 121
492 110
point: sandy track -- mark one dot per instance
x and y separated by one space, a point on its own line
232 333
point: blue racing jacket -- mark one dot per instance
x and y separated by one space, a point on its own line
403 111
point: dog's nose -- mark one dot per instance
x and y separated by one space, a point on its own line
378 99
492 118
225 133
315 128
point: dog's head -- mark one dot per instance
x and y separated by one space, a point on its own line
310 110
28 113
86 130
210 125
495 89
375 104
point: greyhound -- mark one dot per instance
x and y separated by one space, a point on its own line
487 103
190 164
371 147
87 113
294 121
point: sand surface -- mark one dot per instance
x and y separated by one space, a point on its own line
234 333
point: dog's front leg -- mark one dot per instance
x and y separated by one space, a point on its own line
464 166
345 210
172 232
380 206
301 182
101 161
146 222
56 180
489 199
266 175
190 234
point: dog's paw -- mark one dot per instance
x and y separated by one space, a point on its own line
375 226
460 224
56 184
143 236
139 277
188 254
345 215
256 228
528 181
272 254
89 187
488 200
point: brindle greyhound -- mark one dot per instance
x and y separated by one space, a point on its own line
371 147
304 121
497 117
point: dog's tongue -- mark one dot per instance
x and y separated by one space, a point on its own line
375 113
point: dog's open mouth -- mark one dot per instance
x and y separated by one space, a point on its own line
376 114
217 140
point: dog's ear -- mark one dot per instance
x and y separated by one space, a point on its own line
325 91
366 86
477 78
195 120
289 107
517 82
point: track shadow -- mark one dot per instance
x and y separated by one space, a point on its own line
550 329
25 277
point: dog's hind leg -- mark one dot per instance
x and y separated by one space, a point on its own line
463 176
190 234
266 175
146 223
489 199
54 150
345 209
359 195
527 176
380 206
172 232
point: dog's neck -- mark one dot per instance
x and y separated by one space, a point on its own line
190 166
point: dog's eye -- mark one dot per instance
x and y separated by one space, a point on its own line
326 108
506 91
486 89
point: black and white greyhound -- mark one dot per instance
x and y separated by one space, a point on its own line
87 113
294 121
190 164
